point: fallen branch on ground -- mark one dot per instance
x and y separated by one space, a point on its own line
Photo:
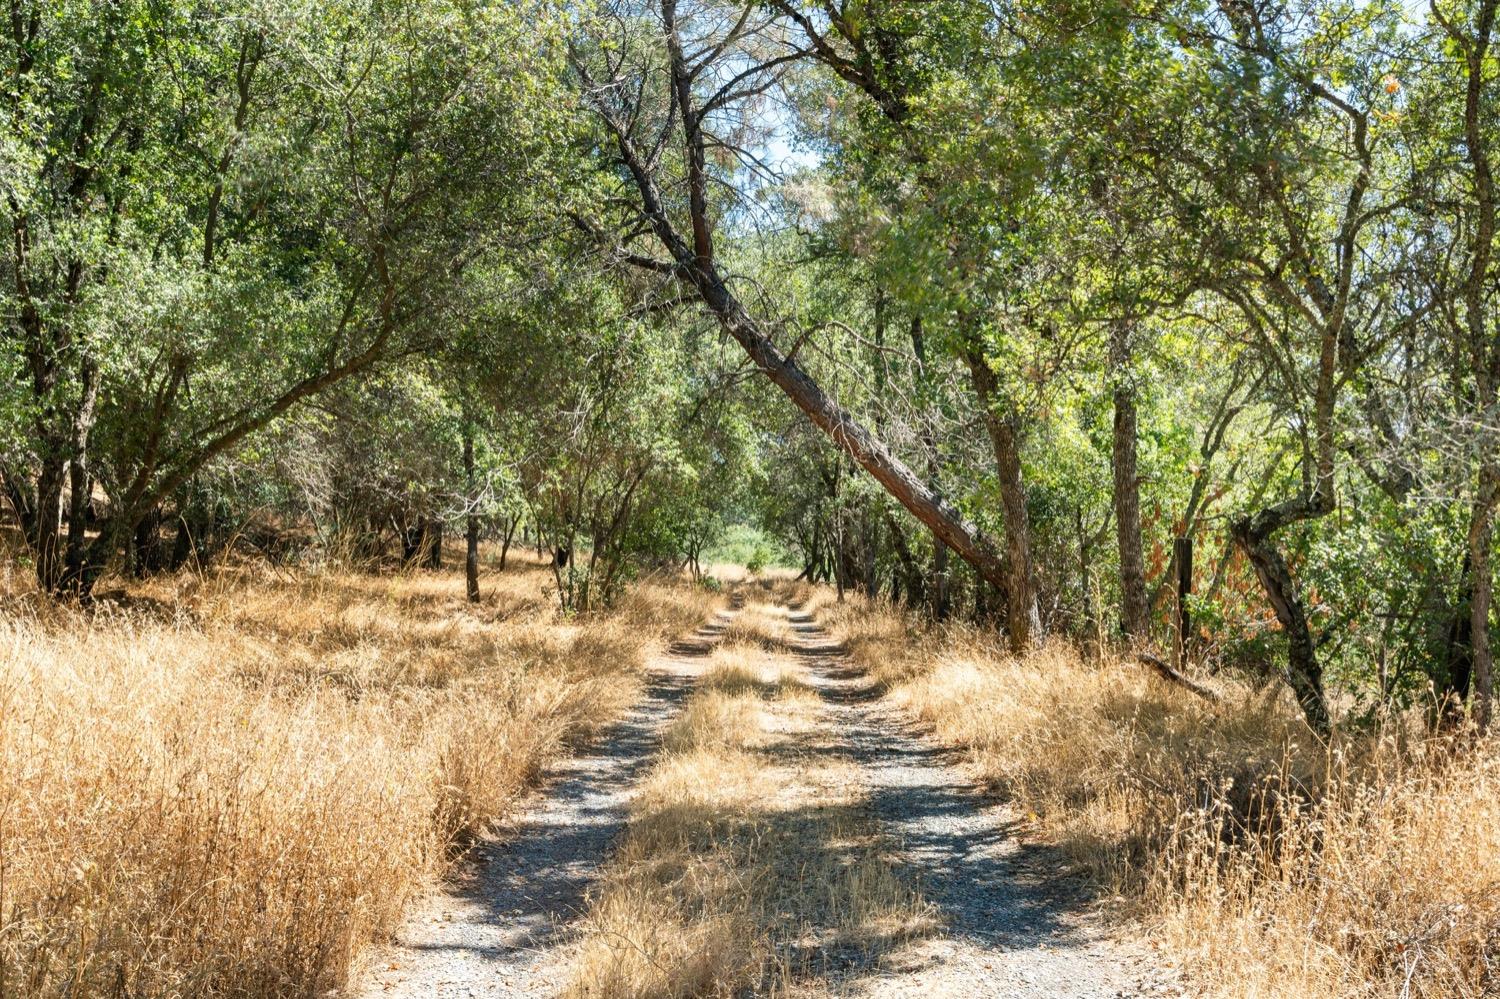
1166 672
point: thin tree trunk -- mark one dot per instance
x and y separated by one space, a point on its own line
471 531
1482 593
1023 622
1127 490
942 591
1085 577
1458 665
1476 51
77 576
511 524
911 572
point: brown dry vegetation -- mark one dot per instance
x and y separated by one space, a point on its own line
232 786
1275 867
749 854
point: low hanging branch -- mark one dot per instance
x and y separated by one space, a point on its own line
1166 672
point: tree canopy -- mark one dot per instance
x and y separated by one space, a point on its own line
1170 323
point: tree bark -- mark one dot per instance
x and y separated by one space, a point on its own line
1304 672
1023 622
471 527
942 594
47 525
1134 609
1485 347
1481 531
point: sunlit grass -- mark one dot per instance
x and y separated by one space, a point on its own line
1279 868
231 784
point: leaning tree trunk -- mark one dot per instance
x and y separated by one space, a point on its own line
1304 672
694 264
471 527
1127 491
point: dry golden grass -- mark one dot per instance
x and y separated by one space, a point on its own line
748 854
1278 867
234 784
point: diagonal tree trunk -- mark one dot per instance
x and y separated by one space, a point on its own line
694 264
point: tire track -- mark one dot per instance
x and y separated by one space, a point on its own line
1013 926
500 929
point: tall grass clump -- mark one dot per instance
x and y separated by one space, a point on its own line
229 785
1277 865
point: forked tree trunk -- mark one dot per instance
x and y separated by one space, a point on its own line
1304 672
511 524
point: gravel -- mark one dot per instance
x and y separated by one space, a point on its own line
1013 925
501 928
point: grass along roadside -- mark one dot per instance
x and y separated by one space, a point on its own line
750 856
234 785
1275 867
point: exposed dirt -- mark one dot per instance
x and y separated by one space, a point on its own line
1010 923
499 929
